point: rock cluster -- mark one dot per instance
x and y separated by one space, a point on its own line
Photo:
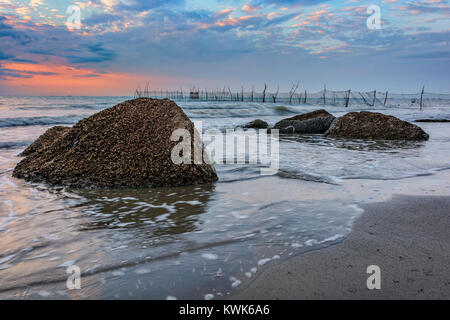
353 125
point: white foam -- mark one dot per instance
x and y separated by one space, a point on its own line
263 261
44 293
210 256
142 271
236 283
332 238
311 242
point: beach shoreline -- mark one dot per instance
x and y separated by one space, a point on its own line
407 237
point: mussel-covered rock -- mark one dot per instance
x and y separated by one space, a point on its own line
312 122
376 126
129 145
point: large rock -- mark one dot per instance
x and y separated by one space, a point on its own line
45 140
376 126
312 122
126 145
256 124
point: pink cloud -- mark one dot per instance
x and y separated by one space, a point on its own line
248 8
224 12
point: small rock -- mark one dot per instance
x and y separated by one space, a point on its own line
256 124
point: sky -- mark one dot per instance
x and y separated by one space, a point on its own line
120 45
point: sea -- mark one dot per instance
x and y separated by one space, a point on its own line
200 242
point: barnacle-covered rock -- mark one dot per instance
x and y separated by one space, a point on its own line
317 121
126 145
376 126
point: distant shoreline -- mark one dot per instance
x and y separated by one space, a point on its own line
407 237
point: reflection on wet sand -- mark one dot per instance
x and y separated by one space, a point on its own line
154 213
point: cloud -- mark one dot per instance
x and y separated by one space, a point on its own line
223 12
281 19
248 8
4 56
8 31
100 18
143 5
6 72
291 2
91 75
97 53
424 8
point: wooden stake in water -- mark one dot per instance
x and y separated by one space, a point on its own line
264 93
421 98
348 97
385 97
274 96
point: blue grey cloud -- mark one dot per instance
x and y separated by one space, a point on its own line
96 53
142 5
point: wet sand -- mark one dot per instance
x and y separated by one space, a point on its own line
407 237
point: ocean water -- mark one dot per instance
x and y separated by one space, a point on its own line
199 241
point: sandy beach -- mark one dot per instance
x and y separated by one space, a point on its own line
407 237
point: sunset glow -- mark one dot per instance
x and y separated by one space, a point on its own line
124 44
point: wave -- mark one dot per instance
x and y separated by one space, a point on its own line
84 106
44 278
239 111
425 173
63 107
14 144
290 174
252 173
35 121
248 172
284 109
